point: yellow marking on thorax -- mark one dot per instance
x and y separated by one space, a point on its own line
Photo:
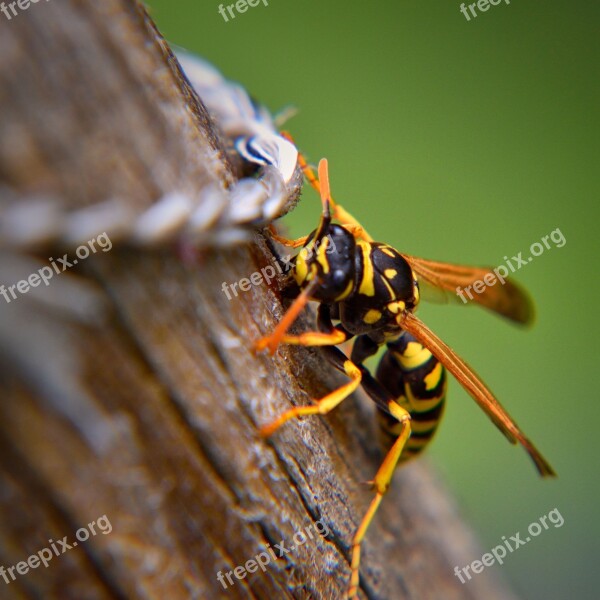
321 258
367 284
390 273
372 316
387 250
313 272
301 270
396 307
416 288
389 288
433 378
346 292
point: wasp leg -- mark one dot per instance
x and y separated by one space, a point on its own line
381 484
272 341
316 338
328 335
306 169
286 241
363 348
358 231
339 212
322 406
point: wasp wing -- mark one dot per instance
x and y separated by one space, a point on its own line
475 387
506 299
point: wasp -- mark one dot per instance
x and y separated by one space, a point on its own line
368 292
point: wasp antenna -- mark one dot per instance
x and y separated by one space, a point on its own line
324 185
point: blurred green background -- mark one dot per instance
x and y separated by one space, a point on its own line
463 141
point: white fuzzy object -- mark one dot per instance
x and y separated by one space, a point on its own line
215 216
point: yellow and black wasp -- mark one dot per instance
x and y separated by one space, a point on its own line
371 291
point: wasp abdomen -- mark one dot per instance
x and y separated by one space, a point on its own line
417 380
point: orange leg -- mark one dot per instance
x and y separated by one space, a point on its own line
272 341
316 338
286 241
381 484
322 406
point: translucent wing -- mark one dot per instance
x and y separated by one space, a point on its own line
475 387
500 295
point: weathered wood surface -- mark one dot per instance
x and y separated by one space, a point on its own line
128 385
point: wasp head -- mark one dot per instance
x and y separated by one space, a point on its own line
328 258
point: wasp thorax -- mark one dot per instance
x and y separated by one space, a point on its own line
330 259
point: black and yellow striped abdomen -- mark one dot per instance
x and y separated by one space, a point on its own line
417 380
